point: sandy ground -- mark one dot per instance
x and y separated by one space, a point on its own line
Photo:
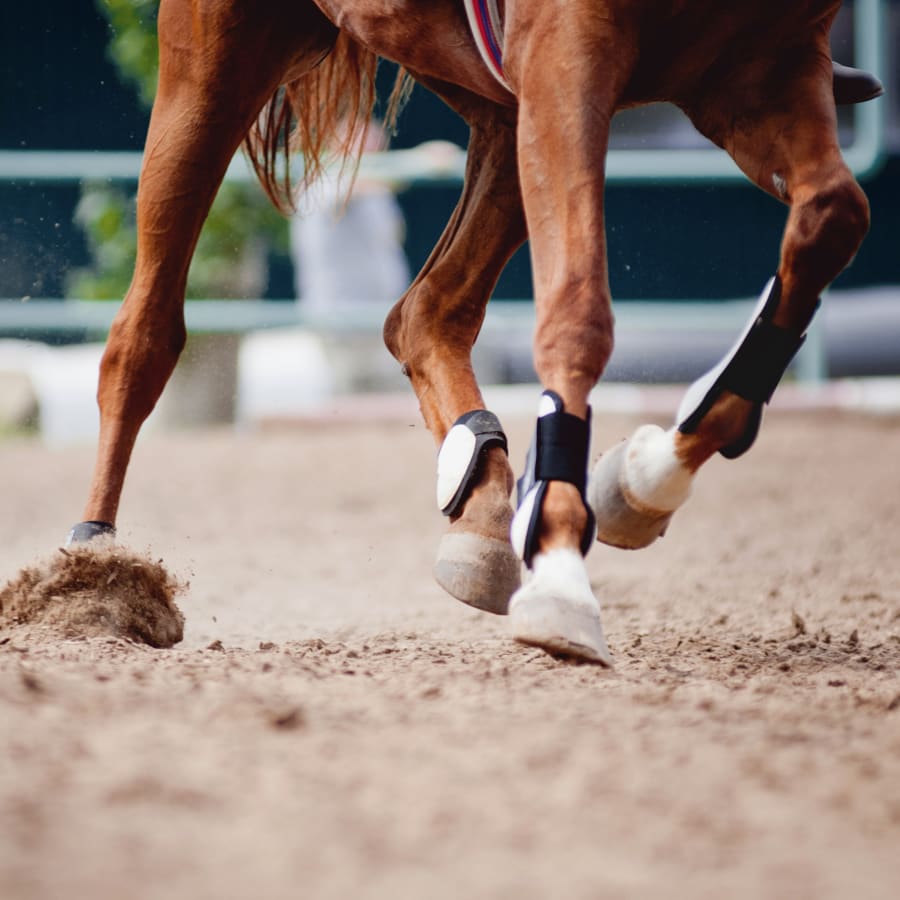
335 726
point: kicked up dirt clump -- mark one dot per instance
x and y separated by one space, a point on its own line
95 590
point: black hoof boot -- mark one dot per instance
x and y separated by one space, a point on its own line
854 85
84 532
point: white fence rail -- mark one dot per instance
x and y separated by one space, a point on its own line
440 163
651 329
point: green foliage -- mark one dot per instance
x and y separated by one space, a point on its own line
242 224
133 45
106 215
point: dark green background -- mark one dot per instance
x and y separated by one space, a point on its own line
695 241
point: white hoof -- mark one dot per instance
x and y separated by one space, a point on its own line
636 487
557 610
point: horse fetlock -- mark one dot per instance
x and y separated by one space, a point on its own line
557 457
462 455
475 562
557 610
653 478
636 487
751 370
565 519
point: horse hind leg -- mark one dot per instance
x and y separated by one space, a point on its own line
636 487
794 156
431 331
214 79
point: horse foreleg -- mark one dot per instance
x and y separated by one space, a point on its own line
563 136
431 331
791 151
214 79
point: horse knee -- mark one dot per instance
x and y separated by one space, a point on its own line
827 229
574 346
134 371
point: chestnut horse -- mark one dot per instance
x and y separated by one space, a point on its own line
755 78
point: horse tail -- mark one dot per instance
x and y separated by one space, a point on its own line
322 114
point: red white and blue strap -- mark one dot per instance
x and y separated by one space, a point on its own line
484 20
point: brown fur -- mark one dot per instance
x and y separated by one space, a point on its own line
754 77
307 118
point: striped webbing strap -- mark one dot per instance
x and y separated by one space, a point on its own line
487 29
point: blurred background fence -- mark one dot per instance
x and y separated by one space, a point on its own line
689 240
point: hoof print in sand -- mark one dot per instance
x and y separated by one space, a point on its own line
91 592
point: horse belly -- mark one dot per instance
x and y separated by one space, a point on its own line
678 50
430 38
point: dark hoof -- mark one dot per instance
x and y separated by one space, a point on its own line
84 532
854 85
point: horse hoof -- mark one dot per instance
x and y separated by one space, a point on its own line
557 611
84 532
636 487
480 571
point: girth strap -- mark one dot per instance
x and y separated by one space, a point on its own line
487 30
